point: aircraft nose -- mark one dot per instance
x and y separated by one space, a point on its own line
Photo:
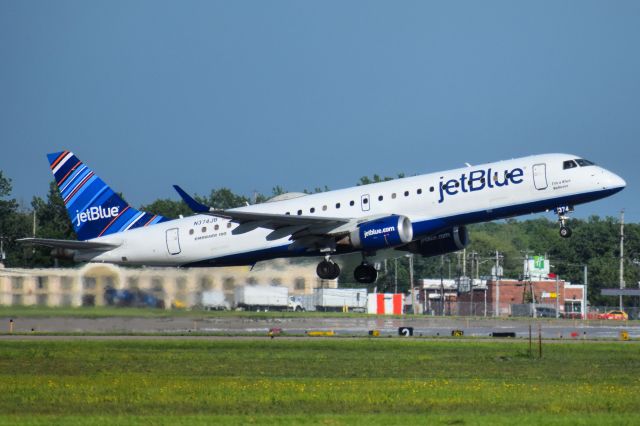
616 181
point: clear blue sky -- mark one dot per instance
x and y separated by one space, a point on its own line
253 94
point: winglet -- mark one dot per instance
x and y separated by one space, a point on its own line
193 204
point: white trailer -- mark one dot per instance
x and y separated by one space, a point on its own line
214 300
338 299
262 298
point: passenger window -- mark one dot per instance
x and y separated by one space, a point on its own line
324 208
204 229
299 212
380 198
419 191
431 189
337 205
569 164
216 227
190 231
406 193
312 210
287 213
393 196
352 203
229 225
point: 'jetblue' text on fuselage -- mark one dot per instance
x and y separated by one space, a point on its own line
478 180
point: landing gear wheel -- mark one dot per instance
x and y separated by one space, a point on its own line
565 231
328 270
365 273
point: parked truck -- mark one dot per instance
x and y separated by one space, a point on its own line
214 300
265 298
339 299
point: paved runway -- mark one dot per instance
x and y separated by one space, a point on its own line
422 326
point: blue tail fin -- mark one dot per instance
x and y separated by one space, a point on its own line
94 209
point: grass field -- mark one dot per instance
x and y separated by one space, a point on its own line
320 381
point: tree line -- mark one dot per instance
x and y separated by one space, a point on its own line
595 241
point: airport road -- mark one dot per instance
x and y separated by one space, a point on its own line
422 326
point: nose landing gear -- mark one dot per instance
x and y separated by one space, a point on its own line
562 212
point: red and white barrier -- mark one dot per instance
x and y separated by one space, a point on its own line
385 304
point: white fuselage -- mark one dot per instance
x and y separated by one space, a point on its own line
432 202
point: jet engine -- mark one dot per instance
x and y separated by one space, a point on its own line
386 232
448 241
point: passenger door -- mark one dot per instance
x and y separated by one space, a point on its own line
173 241
540 176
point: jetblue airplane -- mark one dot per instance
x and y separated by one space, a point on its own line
424 214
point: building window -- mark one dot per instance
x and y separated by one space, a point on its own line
42 299
299 284
252 281
157 284
206 283
89 283
16 283
228 283
132 282
276 281
42 283
66 283
181 283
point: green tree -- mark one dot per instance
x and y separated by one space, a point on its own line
171 209
13 224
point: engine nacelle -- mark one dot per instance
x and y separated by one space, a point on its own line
386 232
448 241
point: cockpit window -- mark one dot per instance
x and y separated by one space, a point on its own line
584 163
569 164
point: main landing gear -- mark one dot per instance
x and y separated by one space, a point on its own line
562 212
365 273
328 269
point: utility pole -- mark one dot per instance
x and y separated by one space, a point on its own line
557 297
496 312
395 274
622 285
585 295
442 283
413 290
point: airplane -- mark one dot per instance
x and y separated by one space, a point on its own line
425 214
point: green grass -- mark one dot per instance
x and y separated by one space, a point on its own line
326 381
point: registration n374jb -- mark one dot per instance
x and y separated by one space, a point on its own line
425 214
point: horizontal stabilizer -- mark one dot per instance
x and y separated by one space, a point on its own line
69 244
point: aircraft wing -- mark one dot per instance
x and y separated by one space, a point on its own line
69 244
305 231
